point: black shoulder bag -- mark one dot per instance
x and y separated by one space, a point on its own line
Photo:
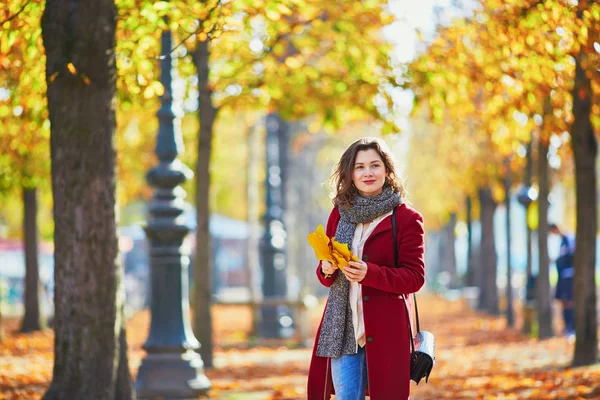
422 356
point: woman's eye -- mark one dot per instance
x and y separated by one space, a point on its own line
359 167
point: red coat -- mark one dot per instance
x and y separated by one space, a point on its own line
386 325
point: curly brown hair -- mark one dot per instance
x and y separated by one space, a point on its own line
341 179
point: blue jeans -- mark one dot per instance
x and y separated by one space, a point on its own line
349 374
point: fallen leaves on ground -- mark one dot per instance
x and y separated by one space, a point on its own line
476 358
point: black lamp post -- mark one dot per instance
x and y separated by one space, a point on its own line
276 319
172 368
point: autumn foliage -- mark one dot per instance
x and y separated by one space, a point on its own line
490 80
327 249
476 358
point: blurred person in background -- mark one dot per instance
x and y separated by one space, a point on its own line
566 272
362 345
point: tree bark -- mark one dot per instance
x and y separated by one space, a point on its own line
32 321
203 263
488 295
253 220
585 149
90 351
527 304
470 275
542 284
510 314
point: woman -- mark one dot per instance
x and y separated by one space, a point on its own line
363 342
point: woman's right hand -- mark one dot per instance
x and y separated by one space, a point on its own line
328 268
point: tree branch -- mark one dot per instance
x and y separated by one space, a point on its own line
218 5
15 15
268 48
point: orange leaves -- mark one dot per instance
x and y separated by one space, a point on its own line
327 249
477 358
71 68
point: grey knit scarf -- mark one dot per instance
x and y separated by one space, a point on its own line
337 331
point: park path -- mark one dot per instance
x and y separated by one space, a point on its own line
477 358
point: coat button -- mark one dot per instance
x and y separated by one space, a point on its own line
365 298
365 257
369 339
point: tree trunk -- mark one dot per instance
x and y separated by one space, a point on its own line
488 295
449 255
528 309
510 314
543 289
585 149
203 263
470 275
90 351
253 220
32 321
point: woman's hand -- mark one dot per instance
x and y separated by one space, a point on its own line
328 268
356 271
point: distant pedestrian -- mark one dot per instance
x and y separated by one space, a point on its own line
363 342
566 272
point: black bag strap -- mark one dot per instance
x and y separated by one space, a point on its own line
394 235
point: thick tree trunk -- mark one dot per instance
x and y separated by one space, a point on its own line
542 284
585 149
488 296
90 349
203 264
528 309
32 321
470 275
510 314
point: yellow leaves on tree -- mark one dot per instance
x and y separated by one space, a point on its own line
326 61
500 67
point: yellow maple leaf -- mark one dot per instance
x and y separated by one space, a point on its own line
320 244
343 251
327 249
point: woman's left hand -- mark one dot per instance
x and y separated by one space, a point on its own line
356 271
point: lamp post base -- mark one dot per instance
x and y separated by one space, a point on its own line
172 376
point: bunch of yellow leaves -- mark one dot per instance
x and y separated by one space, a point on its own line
327 249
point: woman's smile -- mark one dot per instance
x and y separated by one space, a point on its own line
369 173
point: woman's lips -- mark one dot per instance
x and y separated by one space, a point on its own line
368 182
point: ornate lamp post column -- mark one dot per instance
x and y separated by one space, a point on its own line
276 319
172 368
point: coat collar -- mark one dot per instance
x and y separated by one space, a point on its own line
383 226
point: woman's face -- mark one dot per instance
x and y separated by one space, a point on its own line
369 173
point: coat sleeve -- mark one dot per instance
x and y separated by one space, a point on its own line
410 276
330 231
